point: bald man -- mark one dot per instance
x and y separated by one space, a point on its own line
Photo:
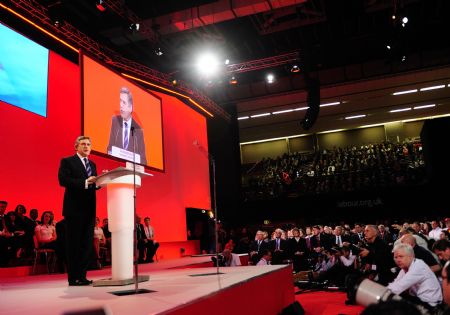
421 253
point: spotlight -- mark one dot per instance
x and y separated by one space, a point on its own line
174 82
134 27
207 64
295 69
405 20
100 4
403 58
388 47
227 61
393 16
158 51
233 80
270 78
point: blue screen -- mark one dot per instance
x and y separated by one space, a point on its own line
23 72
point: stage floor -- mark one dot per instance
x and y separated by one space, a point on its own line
173 285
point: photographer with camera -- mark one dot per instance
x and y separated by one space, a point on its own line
227 259
377 257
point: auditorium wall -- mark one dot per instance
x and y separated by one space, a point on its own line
399 131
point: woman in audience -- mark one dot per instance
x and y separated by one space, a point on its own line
46 231
18 240
99 240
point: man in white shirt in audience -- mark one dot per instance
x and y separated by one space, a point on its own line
435 233
415 276
266 258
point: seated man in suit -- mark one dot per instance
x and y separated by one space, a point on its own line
278 247
148 242
256 247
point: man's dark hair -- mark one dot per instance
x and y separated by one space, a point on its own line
3 202
441 245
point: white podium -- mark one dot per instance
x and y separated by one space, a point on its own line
120 204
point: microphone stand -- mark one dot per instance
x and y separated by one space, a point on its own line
216 222
212 161
135 247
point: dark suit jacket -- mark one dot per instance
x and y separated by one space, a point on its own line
283 245
295 246
72 175
344 238
116 139
254 246
324 242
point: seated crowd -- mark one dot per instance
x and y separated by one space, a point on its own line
20 235
407 258
337 170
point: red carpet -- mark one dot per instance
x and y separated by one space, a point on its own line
327 303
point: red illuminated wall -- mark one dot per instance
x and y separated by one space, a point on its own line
33 145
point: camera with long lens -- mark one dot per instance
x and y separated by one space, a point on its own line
368 292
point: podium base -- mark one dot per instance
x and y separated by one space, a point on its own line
111 282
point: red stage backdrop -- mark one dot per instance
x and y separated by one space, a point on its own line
33 145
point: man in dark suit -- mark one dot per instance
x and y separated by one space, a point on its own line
256 247
77 175
124 129
338 239
278 247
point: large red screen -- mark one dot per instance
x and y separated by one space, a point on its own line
34 145
104 92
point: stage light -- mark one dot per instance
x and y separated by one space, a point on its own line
243 117
260 115
405 92
174 82
400 110
227 61
233 80
424 106
295 69
207 64
355 116
434 87
100 4
403 58
270 78
388 47
405 20
158 51
134 27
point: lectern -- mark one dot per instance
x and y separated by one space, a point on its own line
120 204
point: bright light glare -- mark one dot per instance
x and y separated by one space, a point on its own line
270 78
207 64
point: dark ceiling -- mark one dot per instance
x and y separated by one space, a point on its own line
326 33
337 41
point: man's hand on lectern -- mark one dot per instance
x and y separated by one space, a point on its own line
91 180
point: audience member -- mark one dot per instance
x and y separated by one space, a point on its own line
415 277
421 253
266 257
377 255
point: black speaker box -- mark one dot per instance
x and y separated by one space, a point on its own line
313 101
436 149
